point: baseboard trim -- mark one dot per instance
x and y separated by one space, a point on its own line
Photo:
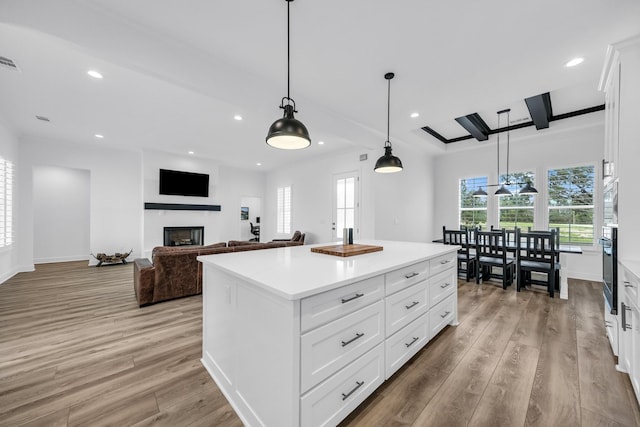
18 269
61 259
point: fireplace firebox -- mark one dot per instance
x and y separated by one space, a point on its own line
183 236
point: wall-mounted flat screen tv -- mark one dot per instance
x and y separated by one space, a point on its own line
177 183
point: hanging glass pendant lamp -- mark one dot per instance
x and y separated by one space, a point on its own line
388 163
288 133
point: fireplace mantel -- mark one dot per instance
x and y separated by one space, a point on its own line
181 207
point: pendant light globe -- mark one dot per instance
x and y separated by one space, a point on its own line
388 163
288 133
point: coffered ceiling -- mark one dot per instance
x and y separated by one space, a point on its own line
176 73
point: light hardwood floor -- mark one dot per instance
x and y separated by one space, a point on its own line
75 349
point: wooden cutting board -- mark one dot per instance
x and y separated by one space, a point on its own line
346 250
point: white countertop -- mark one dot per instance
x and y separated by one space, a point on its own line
632 265
295 272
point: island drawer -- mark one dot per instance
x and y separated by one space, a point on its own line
441 286
327 349
334 399
404 277
441 315
327 306
405 306
442 262
405 344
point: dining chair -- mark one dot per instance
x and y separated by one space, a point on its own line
557 243
494 261
466 254
537 253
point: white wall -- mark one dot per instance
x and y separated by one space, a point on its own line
568 142
9 255
61 222
227 186
116 193
393 206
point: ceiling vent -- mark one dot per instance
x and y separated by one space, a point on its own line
43 118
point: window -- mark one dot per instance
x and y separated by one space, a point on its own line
345 202
571 203
283 216
516 210
473 210
6 202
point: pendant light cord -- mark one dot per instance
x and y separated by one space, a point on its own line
508 121
288 52
498 148
388 109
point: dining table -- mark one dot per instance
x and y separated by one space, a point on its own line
565 261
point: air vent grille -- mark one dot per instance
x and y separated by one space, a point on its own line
8 63
43 118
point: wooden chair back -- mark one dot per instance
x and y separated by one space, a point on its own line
538 246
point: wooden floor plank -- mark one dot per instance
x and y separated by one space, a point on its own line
75 349
601 386
555 395
506 398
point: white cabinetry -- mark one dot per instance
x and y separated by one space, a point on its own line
285 357
629 359
621 81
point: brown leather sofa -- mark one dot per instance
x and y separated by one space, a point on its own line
175 272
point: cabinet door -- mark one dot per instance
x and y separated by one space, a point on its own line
612 114
625 335
611 326
634 372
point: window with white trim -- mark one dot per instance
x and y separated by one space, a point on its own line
6 202
283 215
517 210
473 210
571 208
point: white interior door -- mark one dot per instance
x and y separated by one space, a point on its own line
346 203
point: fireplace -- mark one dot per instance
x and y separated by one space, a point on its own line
183 236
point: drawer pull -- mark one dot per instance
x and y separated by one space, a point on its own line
445 285
346 343
446 313
628 284
446 261
356 296
410 275
359 384
413 304
412 341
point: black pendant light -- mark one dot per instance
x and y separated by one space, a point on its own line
388 163
503 191
288 133
528 189
479 192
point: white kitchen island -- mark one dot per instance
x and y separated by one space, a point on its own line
296 338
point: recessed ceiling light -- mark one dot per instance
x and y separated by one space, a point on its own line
94 74
574 62
237 117
97 135
414 115
320 142
258 164
190 152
